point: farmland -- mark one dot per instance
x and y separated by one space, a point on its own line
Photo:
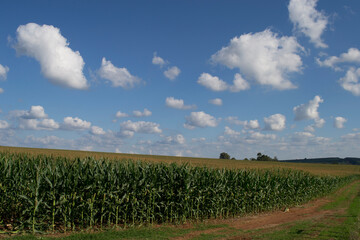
61 191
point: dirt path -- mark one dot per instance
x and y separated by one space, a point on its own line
311 210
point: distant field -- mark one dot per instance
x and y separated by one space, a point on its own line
319 169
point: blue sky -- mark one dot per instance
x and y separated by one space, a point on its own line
185 78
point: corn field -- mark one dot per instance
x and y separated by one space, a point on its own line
44 193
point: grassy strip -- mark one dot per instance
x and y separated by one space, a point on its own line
339 226
164 232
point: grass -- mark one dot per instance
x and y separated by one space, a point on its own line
342 225
319 169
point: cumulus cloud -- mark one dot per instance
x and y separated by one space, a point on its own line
252 124
172 73
230 132
128 128
212 82
145 113
35 112
95 130
351 56
200 119
59 63
76 123
308 110
306 138
121 114
4 124
119 77
48 124
1 90
262 57
308 20
177 139
352 137
275 122
260 136
350 82
319 122
36 124
239 84
339 122
216 84
3 72
178 104
156 60
216 101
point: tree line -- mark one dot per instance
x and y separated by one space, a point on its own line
259 157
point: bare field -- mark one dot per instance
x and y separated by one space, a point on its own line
319 169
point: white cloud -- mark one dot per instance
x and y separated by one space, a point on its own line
308 110
128 128
306 138
119 77
145 113
339 122
97 130
4 124
178 104
263 57
352 137
212 83
48 124
172 73
309 128
59 63
76 123
260 136
252 124
156 60
216 101
3 72
35 112
231 132
216 84
351 56
350 82
308 20
121 114
239 84
319 122
36 124
275 122
200 119
235 120
177 139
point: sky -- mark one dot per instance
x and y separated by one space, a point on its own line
182 78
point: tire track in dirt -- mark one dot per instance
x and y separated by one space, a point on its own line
310 210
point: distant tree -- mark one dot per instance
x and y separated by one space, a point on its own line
263 157
275 158
246 159
233 158
224 155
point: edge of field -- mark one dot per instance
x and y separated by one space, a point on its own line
318 169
